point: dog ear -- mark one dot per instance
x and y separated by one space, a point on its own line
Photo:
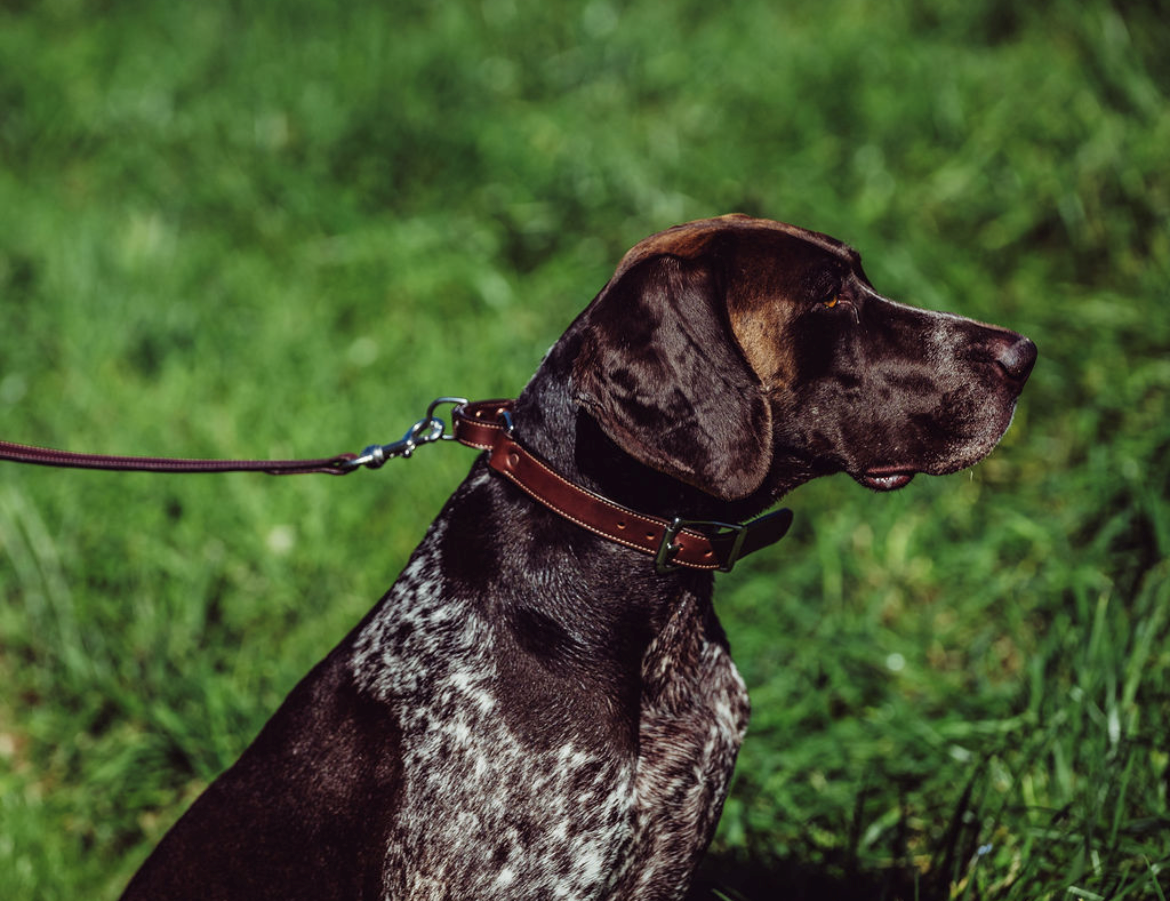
661 373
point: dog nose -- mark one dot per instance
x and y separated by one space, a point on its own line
1016 357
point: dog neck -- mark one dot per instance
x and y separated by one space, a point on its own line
553 426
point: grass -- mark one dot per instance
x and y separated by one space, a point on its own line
271 229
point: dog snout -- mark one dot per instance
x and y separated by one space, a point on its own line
1015 355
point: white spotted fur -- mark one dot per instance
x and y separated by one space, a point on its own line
483 817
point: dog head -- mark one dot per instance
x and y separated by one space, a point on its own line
742 356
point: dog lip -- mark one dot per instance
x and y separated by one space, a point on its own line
885 480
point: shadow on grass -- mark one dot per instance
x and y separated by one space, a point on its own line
730 878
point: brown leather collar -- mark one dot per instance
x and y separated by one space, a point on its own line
696 544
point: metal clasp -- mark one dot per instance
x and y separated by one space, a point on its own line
426 431
667 548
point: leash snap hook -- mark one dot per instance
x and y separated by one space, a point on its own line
427 430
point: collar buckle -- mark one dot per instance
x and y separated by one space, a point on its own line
667 548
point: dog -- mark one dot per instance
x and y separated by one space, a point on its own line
537 708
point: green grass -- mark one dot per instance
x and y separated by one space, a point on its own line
281 229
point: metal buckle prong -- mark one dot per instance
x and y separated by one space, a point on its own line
667 547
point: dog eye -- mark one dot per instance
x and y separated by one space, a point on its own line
831 300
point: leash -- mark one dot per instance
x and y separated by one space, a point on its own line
427 430
486 425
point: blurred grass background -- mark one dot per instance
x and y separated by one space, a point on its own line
233 229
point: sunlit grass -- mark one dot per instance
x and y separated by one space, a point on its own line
228 231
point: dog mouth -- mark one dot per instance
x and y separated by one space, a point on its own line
885 480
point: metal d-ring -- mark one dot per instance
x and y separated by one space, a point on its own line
438 402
